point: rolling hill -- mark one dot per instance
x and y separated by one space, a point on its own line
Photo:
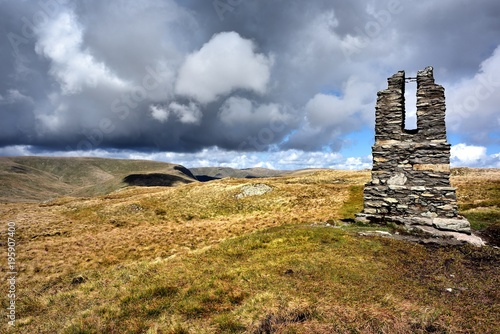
215 173
43 178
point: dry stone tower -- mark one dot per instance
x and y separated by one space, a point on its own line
410 177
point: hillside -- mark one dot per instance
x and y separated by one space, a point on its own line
215 257
45 178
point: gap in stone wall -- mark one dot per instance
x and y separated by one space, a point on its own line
411 106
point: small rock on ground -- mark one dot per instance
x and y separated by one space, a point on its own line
254 190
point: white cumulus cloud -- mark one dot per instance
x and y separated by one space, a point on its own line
331 110
467 155
226 63
187 114
328 117
61 41
239 110
474 103
159 113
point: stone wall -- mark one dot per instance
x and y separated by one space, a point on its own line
411 168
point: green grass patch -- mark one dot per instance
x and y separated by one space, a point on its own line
354 203
227 323
482 219
479 202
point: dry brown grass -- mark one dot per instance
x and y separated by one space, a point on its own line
196 259
145 223
478 192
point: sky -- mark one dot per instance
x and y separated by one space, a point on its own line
283 84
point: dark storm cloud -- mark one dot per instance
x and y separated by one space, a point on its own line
170 75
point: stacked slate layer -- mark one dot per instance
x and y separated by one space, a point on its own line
410 182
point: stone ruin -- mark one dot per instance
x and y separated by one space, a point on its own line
410 183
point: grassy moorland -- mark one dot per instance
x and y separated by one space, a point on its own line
44 178
197 258
479 198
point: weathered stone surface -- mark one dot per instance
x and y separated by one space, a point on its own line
375 234
446 224
411 168
432 168
446 207
398 179
461 237
429 235
391 200
254 190
429 214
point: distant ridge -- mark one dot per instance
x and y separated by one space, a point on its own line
36 179
214 173
42 178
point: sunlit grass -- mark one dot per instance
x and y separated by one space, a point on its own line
315 279
479 199
196 259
